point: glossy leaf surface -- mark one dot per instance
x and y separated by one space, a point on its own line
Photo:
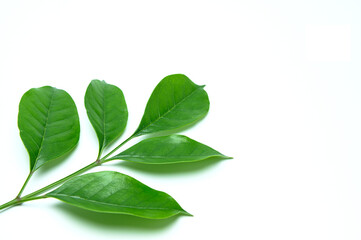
113 192
107 111
175 102
49 124
168 149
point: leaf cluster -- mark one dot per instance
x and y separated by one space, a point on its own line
49 128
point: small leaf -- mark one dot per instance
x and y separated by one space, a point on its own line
49 124
107 111
113 192
168 149
175 102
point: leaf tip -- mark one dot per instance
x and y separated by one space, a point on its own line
227 157
185 213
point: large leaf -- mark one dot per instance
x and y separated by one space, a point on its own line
113 192
49 124
175 102
168 149
107 111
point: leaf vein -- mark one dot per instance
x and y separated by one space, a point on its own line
45 127
169 110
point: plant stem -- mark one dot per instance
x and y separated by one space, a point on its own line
34 195
82 170
32 198
25 183
9 204
117 147
17 201
54 184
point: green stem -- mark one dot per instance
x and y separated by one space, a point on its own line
17 201
9 204
24 185
32 198
84 169
54 184
115 149
34 195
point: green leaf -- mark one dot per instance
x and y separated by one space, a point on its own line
107 111
168 149
175 102
49 124
113 192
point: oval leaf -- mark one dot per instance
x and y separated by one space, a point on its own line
49 124
168 149
113 192
175 102
107 111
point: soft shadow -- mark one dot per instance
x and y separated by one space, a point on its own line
170 169
116 221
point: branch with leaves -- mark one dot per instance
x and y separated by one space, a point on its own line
49 128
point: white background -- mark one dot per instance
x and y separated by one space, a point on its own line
284 83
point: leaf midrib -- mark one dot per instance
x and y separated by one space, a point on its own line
103 97
162 116
45 128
